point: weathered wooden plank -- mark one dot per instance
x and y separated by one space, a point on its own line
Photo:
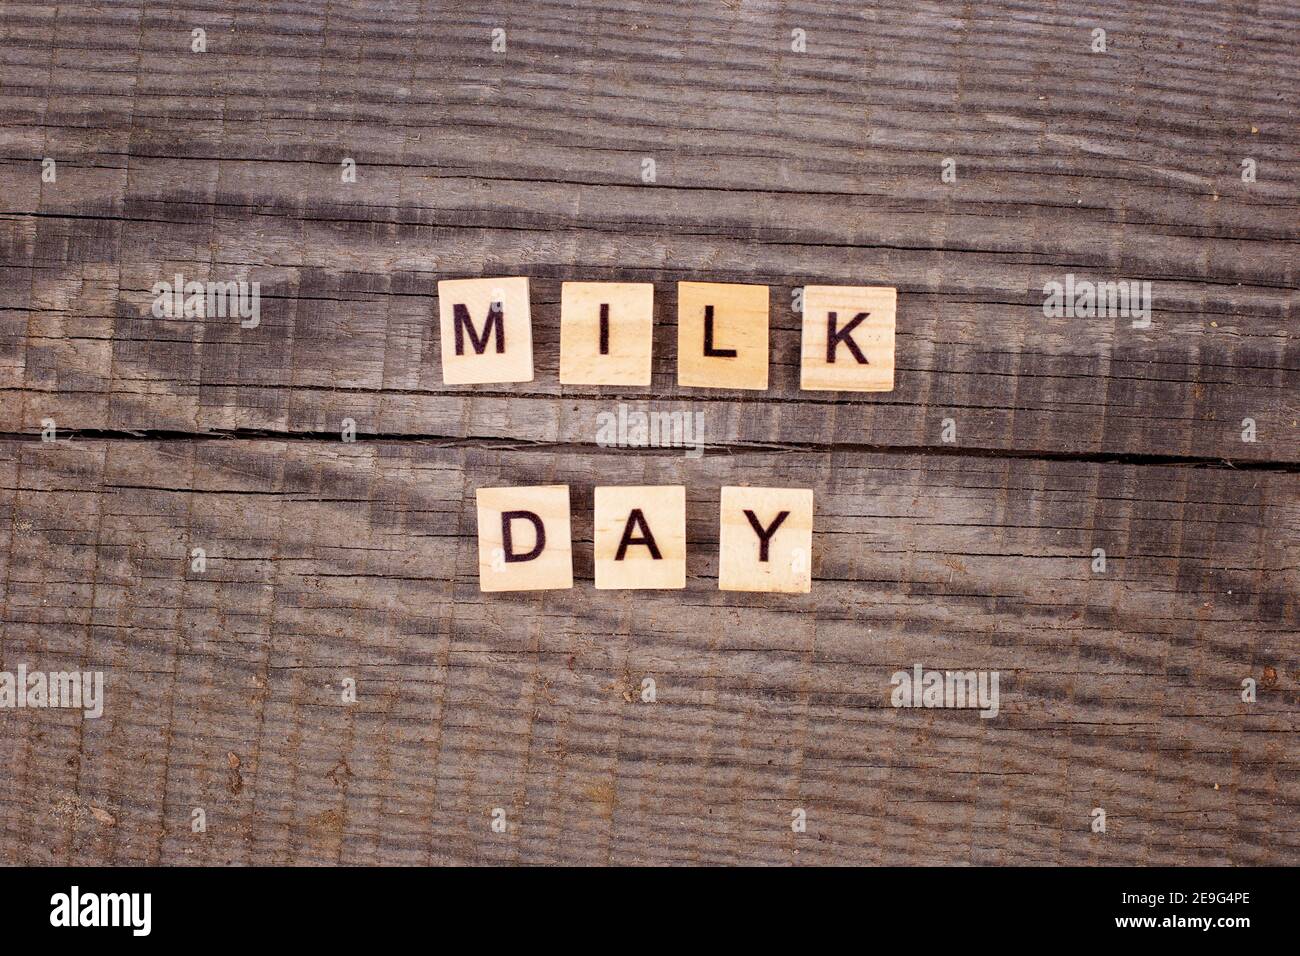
1119 690
771 167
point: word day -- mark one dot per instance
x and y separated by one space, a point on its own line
607 330
639 536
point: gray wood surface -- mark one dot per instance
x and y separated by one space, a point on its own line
329 561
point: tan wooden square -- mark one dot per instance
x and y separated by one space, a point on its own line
487 331
539 553
782 516
860 320
640 537
606 333
722 335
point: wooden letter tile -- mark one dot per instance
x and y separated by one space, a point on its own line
524 541
848 338
721 335
606 330
487 331
640 537
765 540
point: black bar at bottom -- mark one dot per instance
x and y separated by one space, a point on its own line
945 905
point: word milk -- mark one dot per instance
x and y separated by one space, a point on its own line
607 334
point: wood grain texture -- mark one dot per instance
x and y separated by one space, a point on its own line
330 561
